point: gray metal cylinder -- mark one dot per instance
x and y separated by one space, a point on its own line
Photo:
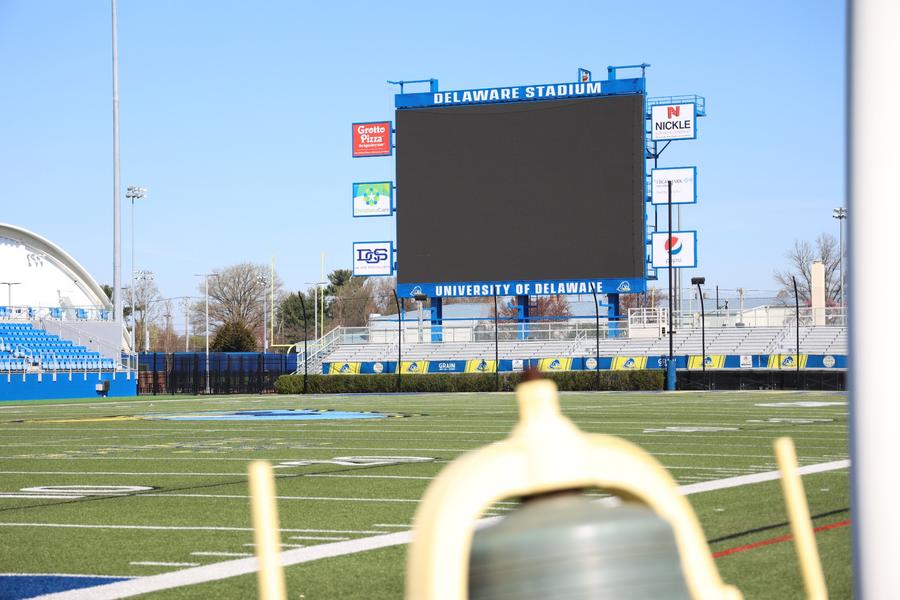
566 546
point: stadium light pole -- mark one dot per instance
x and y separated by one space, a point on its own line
841 215
206 277
133 193
698 281
117 218
9 285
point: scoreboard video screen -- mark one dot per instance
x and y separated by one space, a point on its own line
521 191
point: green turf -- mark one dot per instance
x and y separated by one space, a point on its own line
197 469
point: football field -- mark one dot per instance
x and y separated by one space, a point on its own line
150 494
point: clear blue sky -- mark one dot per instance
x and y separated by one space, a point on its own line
236 116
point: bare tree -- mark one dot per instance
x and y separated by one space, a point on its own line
800 258
652 298
353 302
146 307
237 294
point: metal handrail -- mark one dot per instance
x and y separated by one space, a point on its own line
56 313
94 344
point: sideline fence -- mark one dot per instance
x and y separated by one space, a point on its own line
229 372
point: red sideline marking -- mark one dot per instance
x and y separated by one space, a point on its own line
783 538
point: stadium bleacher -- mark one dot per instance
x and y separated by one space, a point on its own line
26 348
724 340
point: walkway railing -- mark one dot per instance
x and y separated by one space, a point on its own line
56 313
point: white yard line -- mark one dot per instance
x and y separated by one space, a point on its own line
368 476
148 527
151 563
721 484
232 554
232 568
42 496
66 575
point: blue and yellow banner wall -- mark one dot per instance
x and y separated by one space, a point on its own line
713 361
625 363
590 363
554 364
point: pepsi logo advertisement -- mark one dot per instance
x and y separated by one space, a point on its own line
682 249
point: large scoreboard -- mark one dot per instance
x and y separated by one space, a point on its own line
521 197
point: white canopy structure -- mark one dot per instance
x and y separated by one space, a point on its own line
40 274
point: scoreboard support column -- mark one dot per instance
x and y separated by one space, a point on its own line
612 314
522 316
437 319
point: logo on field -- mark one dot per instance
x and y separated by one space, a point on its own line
416 291
372 257
675 247
378 367
624 287
828 361
590 363
555 364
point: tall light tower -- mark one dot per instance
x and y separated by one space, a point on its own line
841 215
117 219
133 193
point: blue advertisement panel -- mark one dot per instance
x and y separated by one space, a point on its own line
373 199
520 288
373 259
